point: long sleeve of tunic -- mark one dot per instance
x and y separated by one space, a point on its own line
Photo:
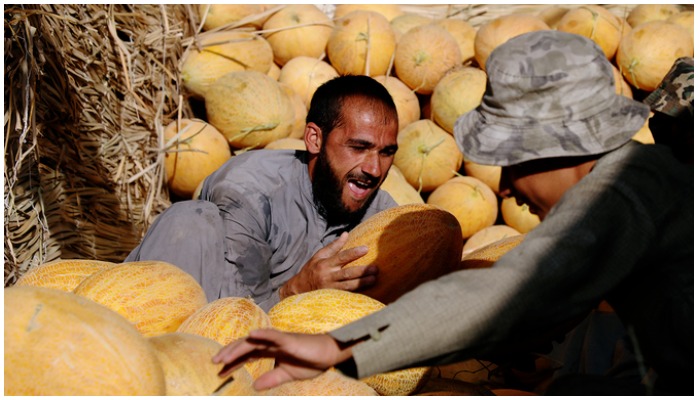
271 225
623 233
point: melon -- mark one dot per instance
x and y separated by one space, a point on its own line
60 344
596 23
428 156
322 310
410 244
286 144
551 15
399 189
518 216
685 19
362 43
458 92
215 54
274 71
463 32
194 149
218 15
423 55
644 135
249 108
329 383
155 296
188 369
470 200
305 75
486 256
63 275
405 22
297 30
300 111
227 319
405 100
497 31
622 88
487 236
648 52
643 13
489 174
388 10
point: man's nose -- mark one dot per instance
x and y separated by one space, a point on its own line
371 164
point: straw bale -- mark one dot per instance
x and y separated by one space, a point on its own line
87 91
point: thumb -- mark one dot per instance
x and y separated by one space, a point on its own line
334 247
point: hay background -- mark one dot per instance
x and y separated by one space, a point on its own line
88 90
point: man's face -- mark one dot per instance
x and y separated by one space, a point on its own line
353 162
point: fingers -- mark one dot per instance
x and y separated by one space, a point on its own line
238 352
353 278
334 247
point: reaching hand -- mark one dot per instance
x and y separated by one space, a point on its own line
298 356
325 270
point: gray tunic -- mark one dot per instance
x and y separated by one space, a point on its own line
624 233
254 228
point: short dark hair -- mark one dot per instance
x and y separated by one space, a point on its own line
326 108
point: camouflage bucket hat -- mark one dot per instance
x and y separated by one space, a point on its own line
549 94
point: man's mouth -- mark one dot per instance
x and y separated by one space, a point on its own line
360 188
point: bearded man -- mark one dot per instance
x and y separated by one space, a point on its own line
271 223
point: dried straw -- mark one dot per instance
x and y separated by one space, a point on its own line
87 88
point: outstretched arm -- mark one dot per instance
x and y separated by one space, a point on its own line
299 356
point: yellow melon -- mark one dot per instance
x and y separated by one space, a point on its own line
329 383
362 43
297 30
470 200
305 75
643 13
551 15
596 23
463 32
428 155
518 216
622 88
227 319
497 31
388 10
648 52
215 54
63 275
249 108
644 134
234 15
489 174
685 19
194 149
300 111
155 296
405 100
486 256
188 369
323 310
60 344
286 144
458 92
274 71
399 189
487 236
407 21
410 244
423 55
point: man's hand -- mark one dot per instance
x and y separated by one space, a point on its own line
298 356
325 270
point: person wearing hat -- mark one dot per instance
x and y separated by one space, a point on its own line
617 225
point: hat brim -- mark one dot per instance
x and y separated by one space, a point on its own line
493 140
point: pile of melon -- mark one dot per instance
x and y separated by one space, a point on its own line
254 68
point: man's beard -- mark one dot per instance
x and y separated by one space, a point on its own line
328 195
